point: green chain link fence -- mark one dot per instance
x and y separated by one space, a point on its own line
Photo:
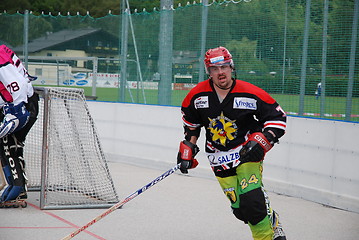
304 53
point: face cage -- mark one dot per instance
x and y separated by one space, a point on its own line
230 63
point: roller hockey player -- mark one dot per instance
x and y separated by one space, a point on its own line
19 110
242 123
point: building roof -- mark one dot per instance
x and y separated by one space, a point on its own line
52 39
2 42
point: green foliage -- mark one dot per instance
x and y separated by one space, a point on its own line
96 8
244 54
253 31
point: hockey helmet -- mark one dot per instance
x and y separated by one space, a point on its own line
217 57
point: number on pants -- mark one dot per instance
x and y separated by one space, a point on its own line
244 183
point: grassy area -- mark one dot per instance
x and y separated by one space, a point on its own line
136 96
333 105
290 103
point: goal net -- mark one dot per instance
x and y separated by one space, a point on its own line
63 154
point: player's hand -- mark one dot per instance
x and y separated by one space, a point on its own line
255 148
187 152
15 118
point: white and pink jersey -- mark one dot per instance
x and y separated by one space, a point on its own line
14 76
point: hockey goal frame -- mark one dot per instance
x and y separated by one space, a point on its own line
89 198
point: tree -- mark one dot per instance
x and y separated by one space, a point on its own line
96 8
244 54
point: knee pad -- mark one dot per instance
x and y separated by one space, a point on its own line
253 208
237 212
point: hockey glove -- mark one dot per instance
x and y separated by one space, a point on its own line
15 118
255 148
187 152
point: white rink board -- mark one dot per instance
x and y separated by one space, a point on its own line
316 160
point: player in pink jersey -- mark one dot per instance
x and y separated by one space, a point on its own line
19 105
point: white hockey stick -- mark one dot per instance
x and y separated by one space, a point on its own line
2 178
119 204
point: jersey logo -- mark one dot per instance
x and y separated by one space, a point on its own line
231 194
201 102
244 103
222 129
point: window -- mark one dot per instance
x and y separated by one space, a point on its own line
38 71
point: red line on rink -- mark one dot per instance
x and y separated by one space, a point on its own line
35 227
65 221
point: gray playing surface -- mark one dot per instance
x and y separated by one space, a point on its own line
180 207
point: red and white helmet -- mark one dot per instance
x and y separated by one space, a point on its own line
217 57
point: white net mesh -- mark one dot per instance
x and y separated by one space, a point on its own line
75 173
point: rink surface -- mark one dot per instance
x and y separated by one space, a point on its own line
177 208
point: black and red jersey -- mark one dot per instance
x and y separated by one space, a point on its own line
246 109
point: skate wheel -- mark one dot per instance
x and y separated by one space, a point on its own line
23 204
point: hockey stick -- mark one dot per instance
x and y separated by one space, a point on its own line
119 204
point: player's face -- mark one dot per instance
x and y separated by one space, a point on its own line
221 76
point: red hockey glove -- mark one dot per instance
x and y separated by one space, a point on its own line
255 148
187 152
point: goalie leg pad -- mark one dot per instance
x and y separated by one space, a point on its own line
13 169
9 180
7 173
11 193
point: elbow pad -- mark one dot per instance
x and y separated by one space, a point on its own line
273 134
188 133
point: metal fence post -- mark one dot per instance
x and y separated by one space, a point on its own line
304 59
203 39
352 62
123 54
324 58
26 38
165 53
